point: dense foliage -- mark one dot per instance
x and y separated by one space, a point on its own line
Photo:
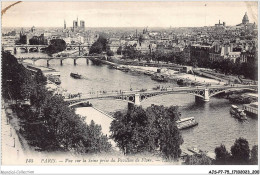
48 122
101 45
11 79
130 52
198 159
222 155
227 66
240 154
55 46
153 129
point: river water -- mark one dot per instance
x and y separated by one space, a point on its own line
216 125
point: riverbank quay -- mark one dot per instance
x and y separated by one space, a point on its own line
173 72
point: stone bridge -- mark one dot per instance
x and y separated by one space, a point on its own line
32 48
75 58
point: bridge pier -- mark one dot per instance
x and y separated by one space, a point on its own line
75 62
26 50
137 100
206 95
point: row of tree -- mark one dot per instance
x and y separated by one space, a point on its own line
48 122
247 69
151 130
240 155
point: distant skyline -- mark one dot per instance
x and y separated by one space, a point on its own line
128 14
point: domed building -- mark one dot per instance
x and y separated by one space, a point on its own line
245 23
245 19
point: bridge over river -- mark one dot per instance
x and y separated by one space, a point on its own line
27 47
81 48
136 97
34 59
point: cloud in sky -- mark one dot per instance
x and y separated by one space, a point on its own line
127 14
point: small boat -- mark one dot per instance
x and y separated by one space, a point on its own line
186 123
124 69
55 79
238 113
75 75
148 73
111 67
160 78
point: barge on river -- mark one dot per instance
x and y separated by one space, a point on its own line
160 78
186 123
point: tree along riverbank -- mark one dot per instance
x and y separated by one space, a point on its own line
46 121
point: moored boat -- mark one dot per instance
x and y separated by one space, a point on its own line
186 123
160 78
75 75
55 79
238 113
124 69
148 72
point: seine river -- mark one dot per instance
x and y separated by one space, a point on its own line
216 125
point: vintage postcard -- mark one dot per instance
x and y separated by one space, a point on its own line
130 83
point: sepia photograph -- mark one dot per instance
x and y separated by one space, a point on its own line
129 83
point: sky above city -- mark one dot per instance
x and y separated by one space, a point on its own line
127 14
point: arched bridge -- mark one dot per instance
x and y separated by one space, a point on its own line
25 47
21 59
29 48
136 97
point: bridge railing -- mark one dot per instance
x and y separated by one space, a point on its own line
102 93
